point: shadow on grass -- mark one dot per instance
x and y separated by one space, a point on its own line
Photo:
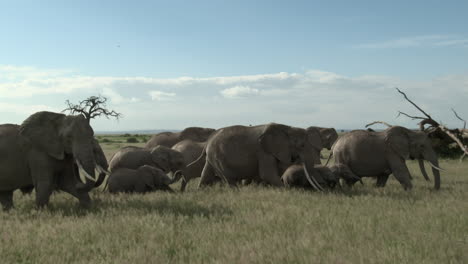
164 206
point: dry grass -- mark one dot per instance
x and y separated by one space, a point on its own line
251 225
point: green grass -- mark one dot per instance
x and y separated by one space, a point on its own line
250 225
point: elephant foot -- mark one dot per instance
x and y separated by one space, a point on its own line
6 199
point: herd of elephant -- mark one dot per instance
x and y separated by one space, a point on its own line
48 151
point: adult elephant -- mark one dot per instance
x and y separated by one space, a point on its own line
161 157
142 180
42 152
379 154
258 152
169 139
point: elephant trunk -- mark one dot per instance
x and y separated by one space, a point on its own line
432 159
84 158
88 172
177 176
423 169
102 175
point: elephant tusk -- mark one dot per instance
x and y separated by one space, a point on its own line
87 176
311 180
102 170
435 167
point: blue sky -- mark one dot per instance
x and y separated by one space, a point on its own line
171 64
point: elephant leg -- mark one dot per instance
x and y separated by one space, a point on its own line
382 180
44 189
83 197
67 183
208 176
268 170
401 172
27 190
6 199
183 184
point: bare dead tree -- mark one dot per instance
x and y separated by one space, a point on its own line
92 107
436 127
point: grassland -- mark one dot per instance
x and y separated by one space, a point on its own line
251 225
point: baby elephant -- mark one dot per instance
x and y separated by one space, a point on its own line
144 179
294 176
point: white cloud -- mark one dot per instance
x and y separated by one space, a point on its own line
239 91
161 96
419 41
309 98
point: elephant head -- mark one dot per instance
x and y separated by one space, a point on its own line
198 134
293 145
167 159
329 136
155 178
410 144
58 135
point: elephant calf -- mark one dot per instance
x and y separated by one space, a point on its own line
294 176
141 180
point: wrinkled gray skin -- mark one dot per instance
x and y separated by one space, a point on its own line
169 139
191 150
144 179
42 152
379 154
256 153
161 157
295 177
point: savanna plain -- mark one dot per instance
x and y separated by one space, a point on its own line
253 224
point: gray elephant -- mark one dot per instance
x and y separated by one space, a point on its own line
144 179
379 154
161 157
43 152
257 153
169 139
191 150
296 176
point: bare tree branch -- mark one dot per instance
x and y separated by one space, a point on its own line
378 122
415 105
464 121
412 117
92 107
454 134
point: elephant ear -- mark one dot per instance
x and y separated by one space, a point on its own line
314 138
161 157
329 136
42 131
275 140
397 139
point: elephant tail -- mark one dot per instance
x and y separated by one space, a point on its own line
200 158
